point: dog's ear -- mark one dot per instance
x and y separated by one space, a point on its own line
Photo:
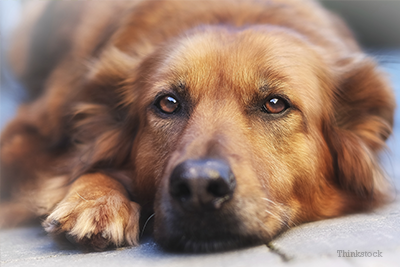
104 125
364 109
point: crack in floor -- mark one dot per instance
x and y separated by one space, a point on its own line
276 251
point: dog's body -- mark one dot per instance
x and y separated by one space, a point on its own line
230 120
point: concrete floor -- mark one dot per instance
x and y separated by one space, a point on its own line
312 244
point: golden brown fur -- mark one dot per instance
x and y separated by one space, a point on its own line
91 149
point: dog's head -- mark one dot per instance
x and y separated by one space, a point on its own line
244 133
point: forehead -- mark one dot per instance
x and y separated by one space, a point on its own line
223 63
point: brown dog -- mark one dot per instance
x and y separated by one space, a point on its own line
231 121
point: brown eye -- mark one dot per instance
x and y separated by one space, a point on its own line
275 105
168 104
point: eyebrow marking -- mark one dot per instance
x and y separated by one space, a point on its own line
272 85
179 87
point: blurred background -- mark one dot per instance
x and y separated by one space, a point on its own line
10 91
376 23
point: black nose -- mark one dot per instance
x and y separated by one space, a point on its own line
202 184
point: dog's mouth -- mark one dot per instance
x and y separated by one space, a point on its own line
202 233
185 243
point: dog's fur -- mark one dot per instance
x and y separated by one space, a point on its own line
91 150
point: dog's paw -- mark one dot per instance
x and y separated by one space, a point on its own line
96 224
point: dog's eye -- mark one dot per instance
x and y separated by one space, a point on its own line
167 104
275 105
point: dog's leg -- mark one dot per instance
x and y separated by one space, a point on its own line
96 213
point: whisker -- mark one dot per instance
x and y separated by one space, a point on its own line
145 224
277 217
273 202
284 212
81 196
288 217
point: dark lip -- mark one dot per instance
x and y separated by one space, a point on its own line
215 234
184 244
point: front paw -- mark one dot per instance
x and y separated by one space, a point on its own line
96 224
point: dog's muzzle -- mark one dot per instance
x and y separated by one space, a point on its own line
199 212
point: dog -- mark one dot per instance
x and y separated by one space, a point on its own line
217 124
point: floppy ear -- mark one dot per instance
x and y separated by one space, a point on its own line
103 126
364 110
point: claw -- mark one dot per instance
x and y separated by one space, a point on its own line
55 222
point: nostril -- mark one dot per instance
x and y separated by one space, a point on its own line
218 188
180 190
